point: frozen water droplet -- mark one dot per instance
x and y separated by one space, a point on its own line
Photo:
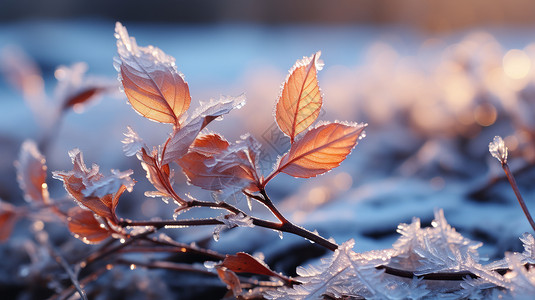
280 235
249 203
215 235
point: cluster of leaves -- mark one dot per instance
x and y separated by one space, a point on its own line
423 262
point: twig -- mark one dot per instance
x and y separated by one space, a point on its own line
73 277
513 184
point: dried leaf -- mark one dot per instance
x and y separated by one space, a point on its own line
230 279
321 149
244 263
300 101
181 139
8 218
31 173
213 164
159 175
84 226
92 189
151 81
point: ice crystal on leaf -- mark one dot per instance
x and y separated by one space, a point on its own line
182 137
150 79
216 165
132 142
93 190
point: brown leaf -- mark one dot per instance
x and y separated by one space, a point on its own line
151 81
182 138
31 173
244 263
84 226
213 164
321 149
159 175
300 101
92 189
8 218
230 279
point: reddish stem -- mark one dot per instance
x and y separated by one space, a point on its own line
513 184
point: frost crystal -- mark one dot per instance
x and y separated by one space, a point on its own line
498 150
132 142
231 221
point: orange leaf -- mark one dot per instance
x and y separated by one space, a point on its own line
31 173
84 226
300 101
321 149
182 138
213 164
8 218
159 175
92 189
244 263
230 279
151 81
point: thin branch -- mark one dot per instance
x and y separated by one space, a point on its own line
72 276
513 184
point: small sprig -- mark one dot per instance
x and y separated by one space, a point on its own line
498 149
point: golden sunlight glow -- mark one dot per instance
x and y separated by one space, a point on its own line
516 64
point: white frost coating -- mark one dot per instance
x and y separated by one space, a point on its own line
95 184
132 142
183 137
231 221
140 58
498 150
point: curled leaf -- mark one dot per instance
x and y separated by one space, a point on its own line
300 101
84 226
31 173
150 79
160 175
92 189
321 149
213 164
8 218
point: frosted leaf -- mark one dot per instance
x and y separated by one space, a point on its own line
498 149
132 142
182 138
214 164
93 190
31 173
150 79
